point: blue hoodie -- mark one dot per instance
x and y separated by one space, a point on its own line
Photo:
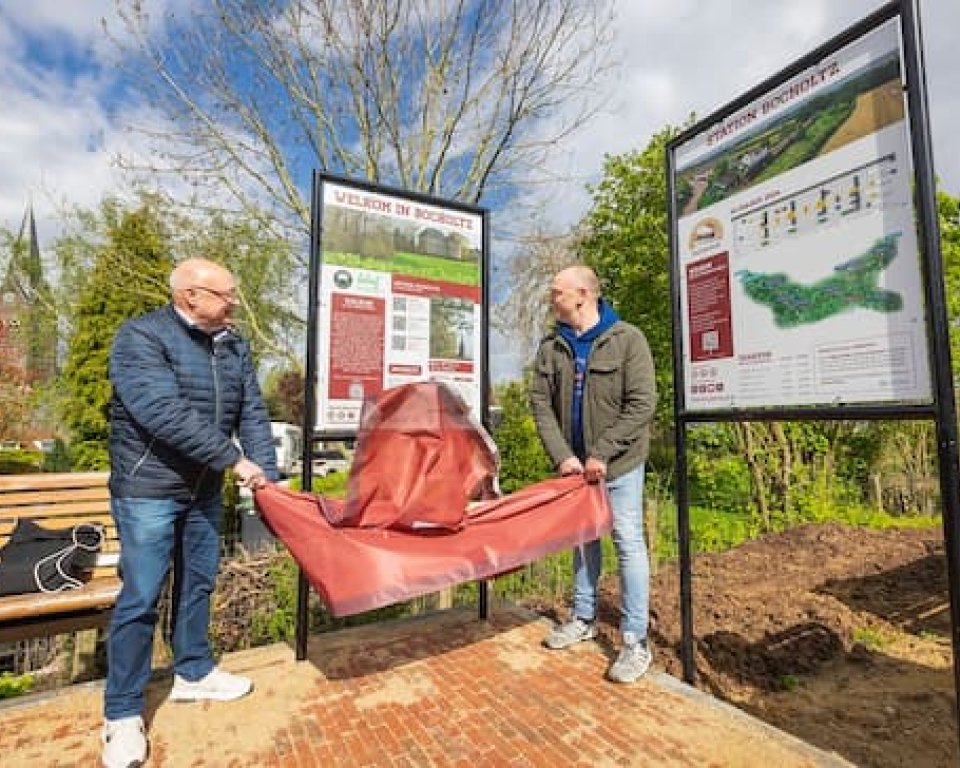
581 352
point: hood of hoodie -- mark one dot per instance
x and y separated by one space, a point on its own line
608 316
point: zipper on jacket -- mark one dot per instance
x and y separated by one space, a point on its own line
143 457
215 373
215 370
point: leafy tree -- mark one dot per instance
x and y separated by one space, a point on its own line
263 264
949 217
522 458
626 243
283 394
129 277
457 99
13 391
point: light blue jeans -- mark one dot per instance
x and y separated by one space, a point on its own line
626 500
154 532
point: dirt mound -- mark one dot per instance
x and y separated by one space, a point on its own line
838 635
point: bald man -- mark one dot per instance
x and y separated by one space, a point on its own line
185 407
593 394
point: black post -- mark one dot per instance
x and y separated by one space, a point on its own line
680 438
947 453
309 400
483 588
686 557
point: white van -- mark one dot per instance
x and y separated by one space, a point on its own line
329 461
288 443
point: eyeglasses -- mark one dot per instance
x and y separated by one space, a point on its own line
229 297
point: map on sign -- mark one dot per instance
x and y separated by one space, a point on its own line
853 284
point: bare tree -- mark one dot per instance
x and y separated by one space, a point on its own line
522 315
459 98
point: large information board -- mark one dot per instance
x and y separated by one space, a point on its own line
795 241
400 297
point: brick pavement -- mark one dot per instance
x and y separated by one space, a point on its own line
438 690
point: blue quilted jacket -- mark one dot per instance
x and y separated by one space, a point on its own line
179 398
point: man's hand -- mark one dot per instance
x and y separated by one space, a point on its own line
594 470
249 475
570 466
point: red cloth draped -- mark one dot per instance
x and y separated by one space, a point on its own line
420 459
359 569
407 527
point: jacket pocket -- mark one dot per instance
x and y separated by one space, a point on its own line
142 459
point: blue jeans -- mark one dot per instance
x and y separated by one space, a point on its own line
626 500
154 532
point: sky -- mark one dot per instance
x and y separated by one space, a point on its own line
62 122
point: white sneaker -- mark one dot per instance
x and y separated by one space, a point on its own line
216 686
574 631
632 663
124 743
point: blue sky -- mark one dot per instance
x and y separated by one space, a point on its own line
66 117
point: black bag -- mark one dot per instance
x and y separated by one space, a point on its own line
37 559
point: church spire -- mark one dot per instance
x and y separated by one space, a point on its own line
26 307
24 277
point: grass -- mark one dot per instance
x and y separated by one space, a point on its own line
870 638
789 682
466 272
15 685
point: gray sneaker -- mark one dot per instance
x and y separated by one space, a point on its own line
632 663
574 631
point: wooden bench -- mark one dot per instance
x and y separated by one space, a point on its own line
58 501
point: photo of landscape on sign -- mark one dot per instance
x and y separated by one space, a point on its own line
383 243
852 108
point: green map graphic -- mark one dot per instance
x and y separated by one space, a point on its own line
853 284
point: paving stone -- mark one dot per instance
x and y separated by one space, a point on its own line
437 691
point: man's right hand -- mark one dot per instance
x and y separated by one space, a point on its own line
571 466
249 475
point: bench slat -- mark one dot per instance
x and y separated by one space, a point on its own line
94 595
67 496
7 524
53 480
54 517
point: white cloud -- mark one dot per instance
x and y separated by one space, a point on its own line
61 127
78 21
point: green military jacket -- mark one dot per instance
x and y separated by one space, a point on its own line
618 399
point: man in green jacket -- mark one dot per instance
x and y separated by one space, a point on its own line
593 396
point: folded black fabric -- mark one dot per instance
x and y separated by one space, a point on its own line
38 559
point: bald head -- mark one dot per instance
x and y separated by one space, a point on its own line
573 297
579 276
191 272
205 292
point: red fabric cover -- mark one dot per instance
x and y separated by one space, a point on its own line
406 528
420 458
359 569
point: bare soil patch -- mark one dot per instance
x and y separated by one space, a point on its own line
840 636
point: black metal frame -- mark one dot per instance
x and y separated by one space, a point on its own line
943 407
311 434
